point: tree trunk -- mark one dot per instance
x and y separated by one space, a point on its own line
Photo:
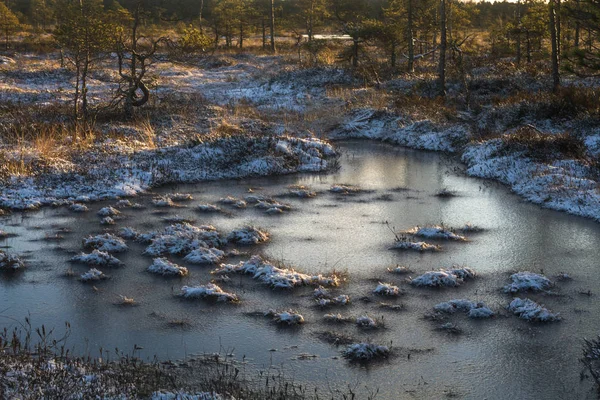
519 32
410 39
272 26
577 27
555 45
443 47
264 34
393 56
200 16
355 53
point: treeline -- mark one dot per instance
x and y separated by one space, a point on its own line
564 33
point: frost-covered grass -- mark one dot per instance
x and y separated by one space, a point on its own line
10 262
208 208
337 318
275 277
106 242
471 308
531 311
340 300
118 171
162 266
365 352
108 212
98 258
528 281
444 278
209 292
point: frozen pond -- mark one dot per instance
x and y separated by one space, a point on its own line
498 358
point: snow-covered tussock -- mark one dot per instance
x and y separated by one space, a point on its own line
532 311
473 309
524 281
444 277
162 266
93 275
248 235
98 258
387 289
181 239
365 352
180 197
272 206
345 189
435 232
301 192
208 208
337 318
340 300
107 221
163 202
108 212
179 395
76 207
205 255
400 270
365 321
286 317
275 277
418 246
106 242
10 262
128 233
233 202
210 291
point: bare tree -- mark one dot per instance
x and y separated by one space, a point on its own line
135 54
443 48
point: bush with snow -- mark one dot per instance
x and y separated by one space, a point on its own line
275 277
210 292
387 289
248 235
164 267
444 277
106 242
98 258
531 311
10 262
365 352
528 281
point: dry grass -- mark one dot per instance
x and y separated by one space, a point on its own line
544 146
